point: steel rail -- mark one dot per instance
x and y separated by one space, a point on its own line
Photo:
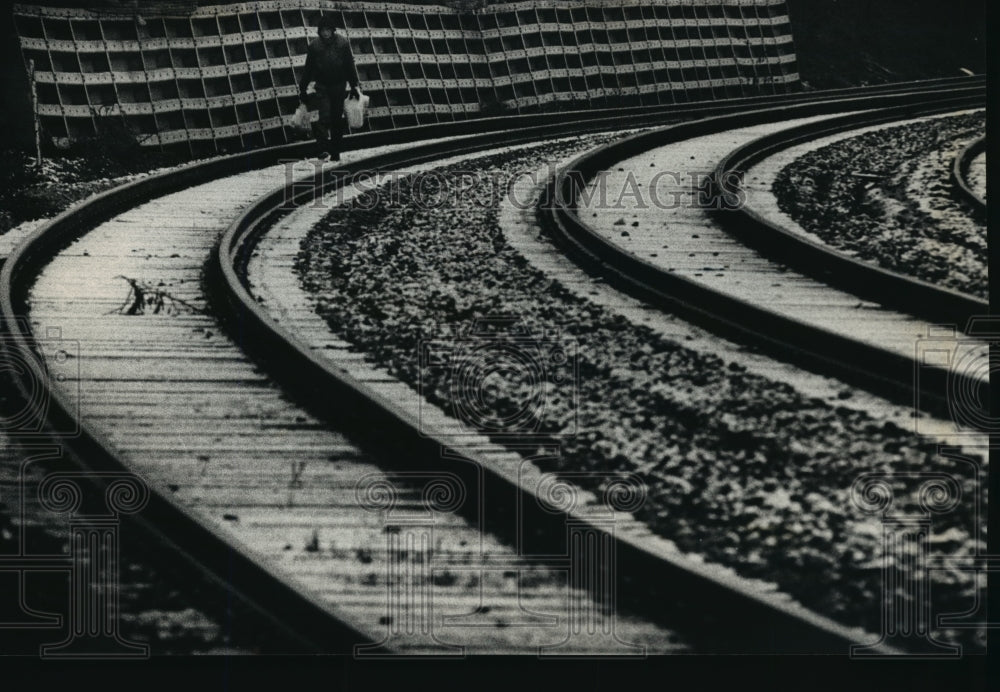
960 178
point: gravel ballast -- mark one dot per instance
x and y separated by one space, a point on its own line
885 197
742 471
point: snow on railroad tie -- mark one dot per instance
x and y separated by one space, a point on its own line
187 411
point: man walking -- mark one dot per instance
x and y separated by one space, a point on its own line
330 63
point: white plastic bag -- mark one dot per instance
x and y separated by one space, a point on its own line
302 120
354 110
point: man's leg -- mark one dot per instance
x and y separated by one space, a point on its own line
321 128
337 126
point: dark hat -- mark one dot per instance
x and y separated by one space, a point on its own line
328 21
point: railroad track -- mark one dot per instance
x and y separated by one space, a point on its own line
773 288
199 486
907 294
972 155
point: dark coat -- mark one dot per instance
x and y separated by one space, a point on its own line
330 64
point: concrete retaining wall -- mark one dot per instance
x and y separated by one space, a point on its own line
223 77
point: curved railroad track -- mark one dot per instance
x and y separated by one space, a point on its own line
222 542
964 188
775 320
907 294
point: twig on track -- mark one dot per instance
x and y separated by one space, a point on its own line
144 298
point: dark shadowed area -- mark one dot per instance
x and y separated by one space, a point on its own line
843 43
